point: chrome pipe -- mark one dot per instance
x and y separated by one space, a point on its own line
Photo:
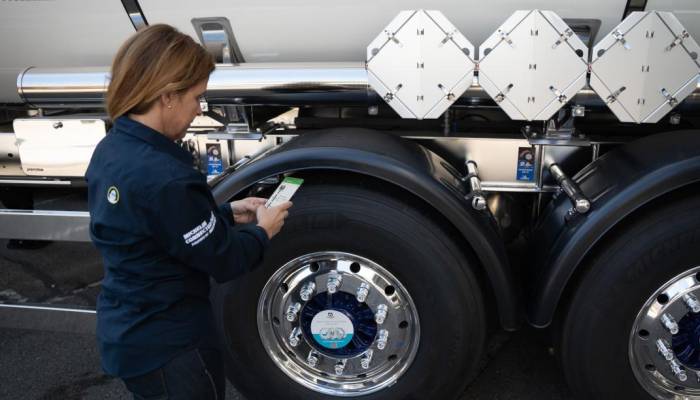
63 87
283 84
289 84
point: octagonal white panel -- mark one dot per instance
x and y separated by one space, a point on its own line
645 66
420 64
532 65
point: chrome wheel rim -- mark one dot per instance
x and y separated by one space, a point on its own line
664 348
355 331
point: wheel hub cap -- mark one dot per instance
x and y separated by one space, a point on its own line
338 323
664 345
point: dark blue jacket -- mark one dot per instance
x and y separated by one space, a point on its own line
161 235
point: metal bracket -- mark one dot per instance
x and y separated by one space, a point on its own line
392 37
447 38
579 201
558 131
477 196
613 97
217 37
390 96
560 96
502 95
505 37
133 9
563 37
672 101
678 40
449 95
621 38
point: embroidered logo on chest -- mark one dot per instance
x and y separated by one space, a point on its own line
113 195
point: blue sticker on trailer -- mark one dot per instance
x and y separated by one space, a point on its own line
215 165
526 164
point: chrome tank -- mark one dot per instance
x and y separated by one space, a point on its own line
340 30
64 33
87 33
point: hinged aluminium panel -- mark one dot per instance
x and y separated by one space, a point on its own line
645 66
420 64
532 65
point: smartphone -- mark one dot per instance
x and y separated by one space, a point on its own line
284 191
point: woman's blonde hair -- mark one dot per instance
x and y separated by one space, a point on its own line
154 61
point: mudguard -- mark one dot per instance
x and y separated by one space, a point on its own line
401 163
617 184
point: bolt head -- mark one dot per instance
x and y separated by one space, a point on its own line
582 206
479 203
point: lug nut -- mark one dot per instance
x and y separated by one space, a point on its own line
380 316
312 358
669 323
366 359
692 302
362 292
292 311
295 337
334 281
678 371
382 338
307 291
340 366
664 349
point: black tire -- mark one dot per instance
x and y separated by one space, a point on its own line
641 257
409 244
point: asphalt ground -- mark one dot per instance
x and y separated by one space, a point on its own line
56 357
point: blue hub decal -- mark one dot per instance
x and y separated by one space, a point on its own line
338 325
686 344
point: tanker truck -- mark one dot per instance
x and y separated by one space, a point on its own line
468 167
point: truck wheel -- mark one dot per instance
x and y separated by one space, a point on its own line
360 294
633 327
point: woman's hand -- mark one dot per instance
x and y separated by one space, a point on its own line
244 211
271 219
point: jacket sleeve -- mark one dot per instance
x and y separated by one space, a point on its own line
227 213
183 219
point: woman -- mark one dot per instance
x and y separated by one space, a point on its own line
160 232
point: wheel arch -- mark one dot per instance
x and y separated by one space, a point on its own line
622 184
404 165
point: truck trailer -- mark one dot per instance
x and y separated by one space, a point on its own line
468 167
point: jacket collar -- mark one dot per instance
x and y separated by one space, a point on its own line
149 135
